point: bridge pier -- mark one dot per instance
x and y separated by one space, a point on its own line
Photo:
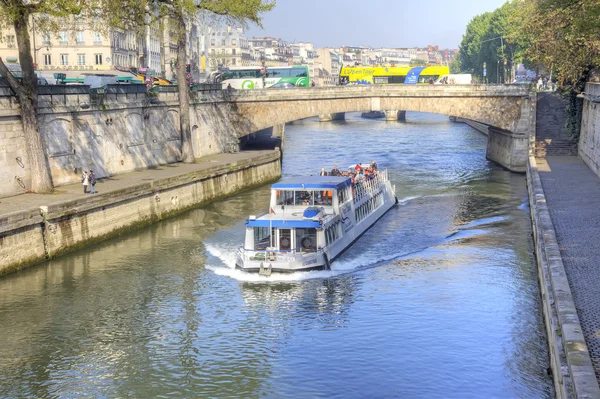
509 150
279 131
336 116
395 115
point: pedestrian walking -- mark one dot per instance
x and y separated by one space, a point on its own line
85 180
92 180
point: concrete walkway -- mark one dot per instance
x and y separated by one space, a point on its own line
117 182
573 196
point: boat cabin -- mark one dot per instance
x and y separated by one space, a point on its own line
299 208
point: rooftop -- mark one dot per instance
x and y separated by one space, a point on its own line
308 182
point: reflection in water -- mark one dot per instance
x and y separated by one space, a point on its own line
439 299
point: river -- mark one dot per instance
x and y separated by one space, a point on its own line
438 300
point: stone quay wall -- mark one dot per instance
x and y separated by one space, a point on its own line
33 235
126 132
589 138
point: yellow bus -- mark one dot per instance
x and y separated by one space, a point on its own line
368 75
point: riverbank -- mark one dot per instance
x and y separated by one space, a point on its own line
572 368
35 227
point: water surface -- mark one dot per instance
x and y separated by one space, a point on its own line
438 300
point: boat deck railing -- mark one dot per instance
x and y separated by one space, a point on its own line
369 187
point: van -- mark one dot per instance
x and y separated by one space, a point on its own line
456 79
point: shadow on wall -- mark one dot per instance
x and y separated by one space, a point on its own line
110 142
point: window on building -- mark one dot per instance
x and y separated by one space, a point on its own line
80 59
62 37
80 37
233 61
223 42
212 42
97 38
64 59
47 59
46 39
233 42
233 51
98 58
10 41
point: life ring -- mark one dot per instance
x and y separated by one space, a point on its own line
306 243
285 242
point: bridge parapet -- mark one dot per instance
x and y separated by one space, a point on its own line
506 108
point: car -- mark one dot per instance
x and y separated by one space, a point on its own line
41 81
283 85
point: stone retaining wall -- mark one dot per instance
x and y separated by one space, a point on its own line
589 138
29 237
570 361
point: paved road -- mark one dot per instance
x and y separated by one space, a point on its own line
573 195
73 191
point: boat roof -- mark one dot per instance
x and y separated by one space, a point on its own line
285 224
307 182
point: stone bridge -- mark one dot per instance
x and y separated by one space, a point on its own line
509 110
129 131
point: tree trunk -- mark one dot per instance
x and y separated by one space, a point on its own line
41 179
187 152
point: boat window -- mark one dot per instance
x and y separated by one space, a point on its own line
285 239
304 198
306 239
285 197
262 237
323 197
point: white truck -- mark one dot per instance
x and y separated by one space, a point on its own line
455 79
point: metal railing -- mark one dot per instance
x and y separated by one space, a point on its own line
369 187
52 90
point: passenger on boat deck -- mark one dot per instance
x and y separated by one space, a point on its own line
373 164
322 173
358 167
335 171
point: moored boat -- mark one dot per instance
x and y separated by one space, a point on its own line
311 221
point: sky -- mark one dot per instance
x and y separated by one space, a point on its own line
373 23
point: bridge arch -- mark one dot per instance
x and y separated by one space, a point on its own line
509 110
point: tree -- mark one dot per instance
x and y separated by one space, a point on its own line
562 36
16 14
51 16
179 12
488 40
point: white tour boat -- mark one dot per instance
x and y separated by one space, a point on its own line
313 220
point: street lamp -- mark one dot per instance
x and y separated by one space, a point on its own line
497 71
484 72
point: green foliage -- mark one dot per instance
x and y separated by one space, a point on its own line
486 40
455 66
562 36
558 37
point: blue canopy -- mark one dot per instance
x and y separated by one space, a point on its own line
412 77
285 224
313 182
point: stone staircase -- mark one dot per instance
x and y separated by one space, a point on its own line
551 138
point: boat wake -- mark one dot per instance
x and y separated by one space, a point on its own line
367 253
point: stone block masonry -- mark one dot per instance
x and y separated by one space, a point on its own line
28 237
589 138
